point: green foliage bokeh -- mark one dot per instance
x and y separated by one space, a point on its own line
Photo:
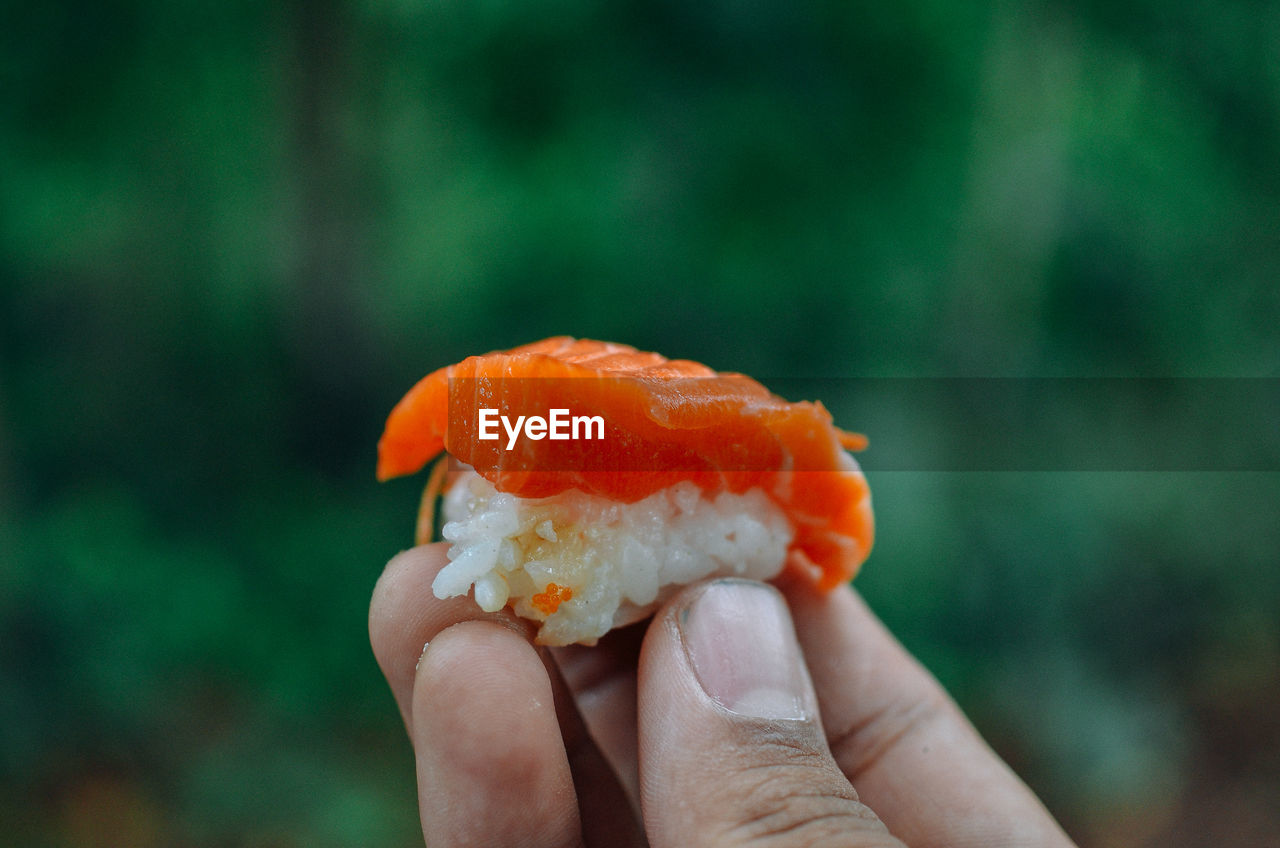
231 235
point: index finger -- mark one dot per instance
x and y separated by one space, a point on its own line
906 747
404 615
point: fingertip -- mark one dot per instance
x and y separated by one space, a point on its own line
402 581
405 614
492 766
394 610
473 657
731 745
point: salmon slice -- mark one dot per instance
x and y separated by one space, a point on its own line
664 421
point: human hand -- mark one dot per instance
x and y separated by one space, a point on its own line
716 723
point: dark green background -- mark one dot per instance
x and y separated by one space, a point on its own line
231 235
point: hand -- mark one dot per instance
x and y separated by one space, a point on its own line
716 723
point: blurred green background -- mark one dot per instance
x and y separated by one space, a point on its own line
231 235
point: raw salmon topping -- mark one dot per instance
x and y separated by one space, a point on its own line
664 422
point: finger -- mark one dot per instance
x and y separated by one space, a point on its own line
603 681
902 741
492 768
610 815
405 614
732 752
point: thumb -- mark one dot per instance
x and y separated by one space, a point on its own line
732 751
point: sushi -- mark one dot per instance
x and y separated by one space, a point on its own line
584 482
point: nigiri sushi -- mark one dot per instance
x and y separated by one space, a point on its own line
587 481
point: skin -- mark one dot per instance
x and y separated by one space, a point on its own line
630 742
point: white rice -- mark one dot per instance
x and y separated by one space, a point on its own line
619 560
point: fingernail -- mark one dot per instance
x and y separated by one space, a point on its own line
744 653
418 664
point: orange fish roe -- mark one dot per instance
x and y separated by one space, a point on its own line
550 600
